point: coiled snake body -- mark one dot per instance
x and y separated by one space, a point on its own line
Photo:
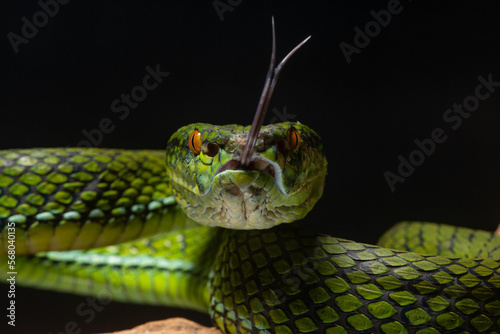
214 232
282 279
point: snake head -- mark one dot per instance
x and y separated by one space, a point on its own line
282 182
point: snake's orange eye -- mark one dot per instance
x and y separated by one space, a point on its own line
294 139
195 142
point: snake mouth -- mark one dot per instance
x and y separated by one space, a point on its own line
259 164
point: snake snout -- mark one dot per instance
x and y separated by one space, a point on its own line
259 164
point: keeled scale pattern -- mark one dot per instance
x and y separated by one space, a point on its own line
441 239
74 198
166 269
289 280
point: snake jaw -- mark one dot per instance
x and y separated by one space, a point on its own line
257 163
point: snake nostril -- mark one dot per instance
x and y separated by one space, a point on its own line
211 149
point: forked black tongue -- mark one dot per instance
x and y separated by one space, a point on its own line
271 79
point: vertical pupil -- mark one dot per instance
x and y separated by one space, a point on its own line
192 139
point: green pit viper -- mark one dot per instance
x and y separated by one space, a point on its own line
209 226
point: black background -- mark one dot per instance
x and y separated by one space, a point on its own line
368 112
